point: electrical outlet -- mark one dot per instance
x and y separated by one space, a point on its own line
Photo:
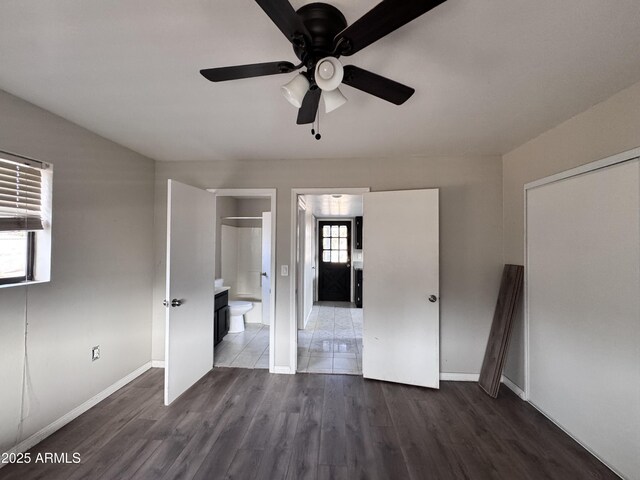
95 353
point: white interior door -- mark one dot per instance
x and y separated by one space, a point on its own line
583 305
190 292
266 268
401 332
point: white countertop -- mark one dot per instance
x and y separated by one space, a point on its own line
221 289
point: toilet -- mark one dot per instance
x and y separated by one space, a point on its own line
237 309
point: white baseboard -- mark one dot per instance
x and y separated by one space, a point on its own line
282 370
157 363
459 377
474 377
37 437
306 320
513 387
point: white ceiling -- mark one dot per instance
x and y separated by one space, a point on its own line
488 74
324 206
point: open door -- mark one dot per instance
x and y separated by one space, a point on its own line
401 334
190 292
266 268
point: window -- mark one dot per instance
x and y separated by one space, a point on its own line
16 256
335 243
25 198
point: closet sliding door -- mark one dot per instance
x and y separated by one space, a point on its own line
583 309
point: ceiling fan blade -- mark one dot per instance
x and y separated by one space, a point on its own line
374 84
384 18
247 71
286 19
309 109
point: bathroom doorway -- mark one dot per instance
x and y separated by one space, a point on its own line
327 267
245 244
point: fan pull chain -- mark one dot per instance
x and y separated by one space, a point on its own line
318 136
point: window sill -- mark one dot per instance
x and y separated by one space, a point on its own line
23 284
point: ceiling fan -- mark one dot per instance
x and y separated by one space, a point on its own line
320 36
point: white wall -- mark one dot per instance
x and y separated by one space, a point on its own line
249 262
229 256
102 271
471 233
309 264
242 261
225 207
610 127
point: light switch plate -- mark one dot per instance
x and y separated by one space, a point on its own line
95 353
284 270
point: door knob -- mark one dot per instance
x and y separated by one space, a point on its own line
165 303
433 298
264 274
176 303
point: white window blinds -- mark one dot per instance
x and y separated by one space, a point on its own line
20 197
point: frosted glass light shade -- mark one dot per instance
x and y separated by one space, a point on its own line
329 73
333 99
295 90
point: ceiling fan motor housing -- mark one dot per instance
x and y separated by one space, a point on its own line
324 22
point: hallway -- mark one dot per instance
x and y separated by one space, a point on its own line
332 341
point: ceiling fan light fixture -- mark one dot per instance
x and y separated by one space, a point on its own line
329 73
295 90
333 99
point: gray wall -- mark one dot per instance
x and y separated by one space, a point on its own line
471 233
253 207
610 127
102 271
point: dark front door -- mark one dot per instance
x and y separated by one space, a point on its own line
334 275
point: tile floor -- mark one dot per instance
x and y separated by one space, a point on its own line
332 341
248 349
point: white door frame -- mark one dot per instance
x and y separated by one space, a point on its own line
300 263
589 167
293 323
271 194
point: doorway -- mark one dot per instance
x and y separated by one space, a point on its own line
245 257
334 261
400 322
329 325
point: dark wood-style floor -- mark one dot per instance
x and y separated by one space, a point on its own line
249 424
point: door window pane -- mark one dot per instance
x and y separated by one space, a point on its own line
335 243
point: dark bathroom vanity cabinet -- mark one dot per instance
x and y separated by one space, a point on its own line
221 317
